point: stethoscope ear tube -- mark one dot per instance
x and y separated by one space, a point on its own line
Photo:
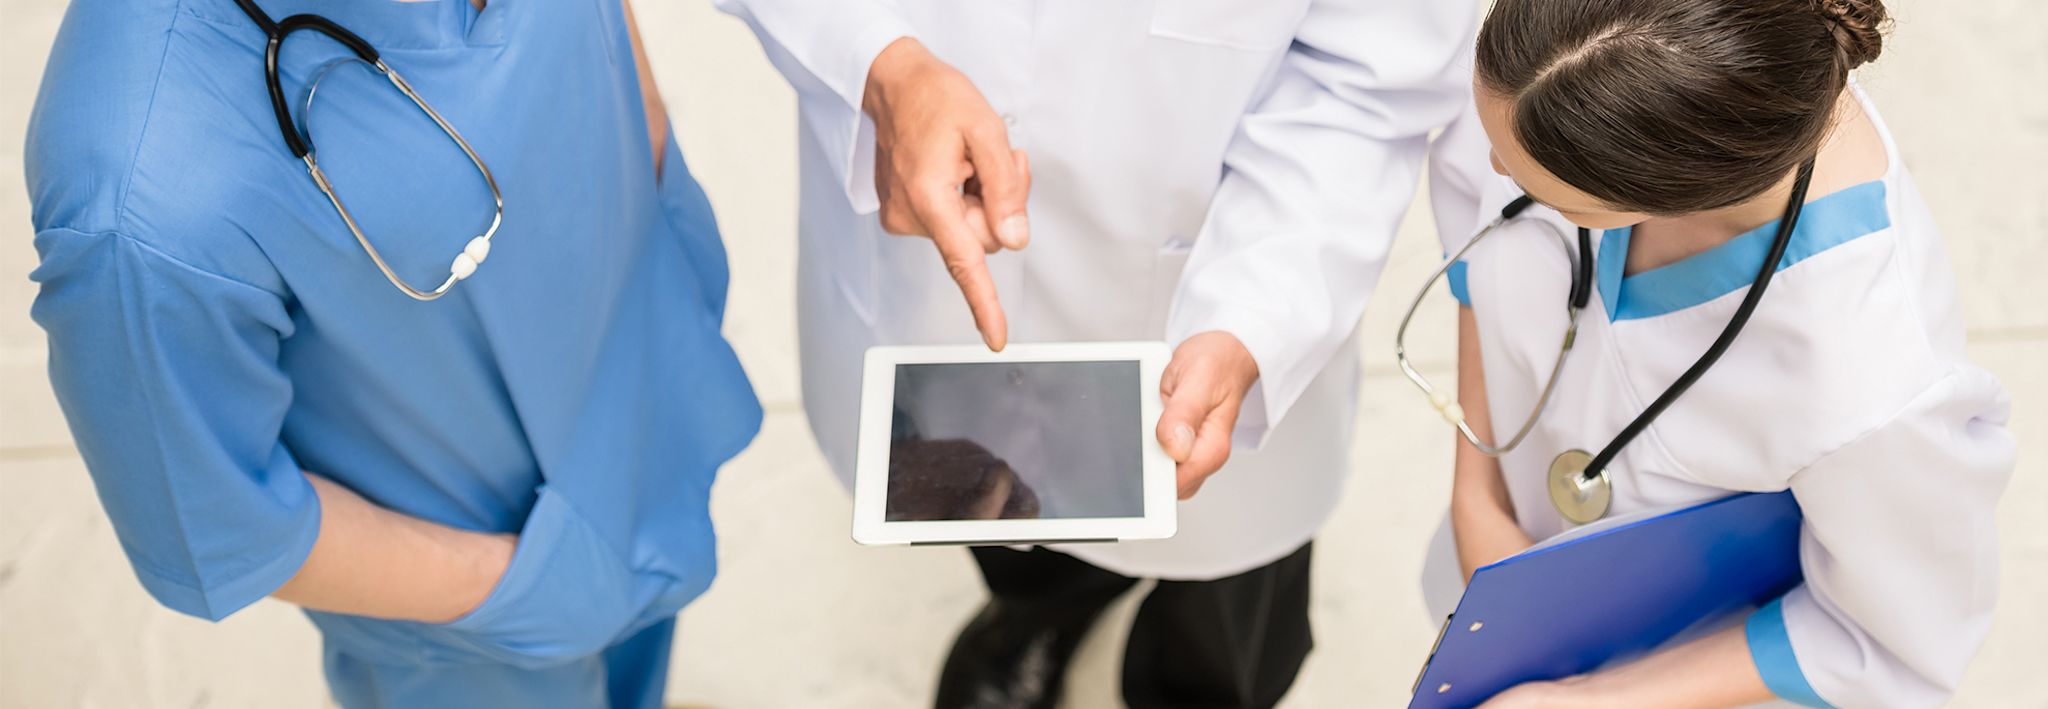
1447 405
1516 207
276 32
1582 271
327 27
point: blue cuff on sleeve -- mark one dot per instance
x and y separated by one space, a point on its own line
1771 648
1456 276
220 598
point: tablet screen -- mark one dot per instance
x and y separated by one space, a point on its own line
1016 440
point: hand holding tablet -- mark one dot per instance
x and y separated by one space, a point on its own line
1040 443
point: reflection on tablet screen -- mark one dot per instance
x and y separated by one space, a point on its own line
1016 440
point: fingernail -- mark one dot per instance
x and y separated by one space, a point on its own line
1015 231
1183 438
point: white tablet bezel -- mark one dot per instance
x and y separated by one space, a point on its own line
871 472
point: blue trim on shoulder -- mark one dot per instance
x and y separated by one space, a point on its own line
1826 223
1459 290
1770 647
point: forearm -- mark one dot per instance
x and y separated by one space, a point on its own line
1481 523
1482 515
372 561
1713 672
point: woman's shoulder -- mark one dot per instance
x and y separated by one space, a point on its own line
136 130
1855 336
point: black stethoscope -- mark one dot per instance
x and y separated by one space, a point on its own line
1577 481
298 138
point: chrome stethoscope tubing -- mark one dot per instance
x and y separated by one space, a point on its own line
473 253
298 137
1446 405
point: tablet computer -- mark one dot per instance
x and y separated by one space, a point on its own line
1036 444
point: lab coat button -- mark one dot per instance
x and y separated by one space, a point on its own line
1010 119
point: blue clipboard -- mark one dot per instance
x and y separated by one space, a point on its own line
1565 609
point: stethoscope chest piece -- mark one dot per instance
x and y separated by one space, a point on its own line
1579 498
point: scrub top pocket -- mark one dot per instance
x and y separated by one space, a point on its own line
1229 23
566 595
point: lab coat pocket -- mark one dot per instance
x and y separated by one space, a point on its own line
1255 26
567 594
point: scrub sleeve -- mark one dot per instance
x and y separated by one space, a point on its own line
1900 557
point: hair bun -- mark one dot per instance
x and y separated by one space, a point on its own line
1859 27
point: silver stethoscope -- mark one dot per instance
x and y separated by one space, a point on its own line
1577 481
298 137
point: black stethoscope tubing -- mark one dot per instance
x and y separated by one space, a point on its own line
276 32
1581 293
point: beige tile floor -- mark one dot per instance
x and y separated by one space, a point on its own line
803 618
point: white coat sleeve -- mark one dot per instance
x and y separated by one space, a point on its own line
1460 171
824 49
1315 182
1900 553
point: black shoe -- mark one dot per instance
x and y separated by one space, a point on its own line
1010 658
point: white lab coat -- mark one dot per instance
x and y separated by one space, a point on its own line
1850 387
1265 150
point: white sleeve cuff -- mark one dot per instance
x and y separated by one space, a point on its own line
825 49
1274 392
856 155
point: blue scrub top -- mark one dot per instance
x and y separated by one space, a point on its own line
214 328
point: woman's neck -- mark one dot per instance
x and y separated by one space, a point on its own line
1853 153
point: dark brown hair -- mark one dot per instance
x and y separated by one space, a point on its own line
1674 106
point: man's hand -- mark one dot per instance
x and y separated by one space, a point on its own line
944 169
1204 386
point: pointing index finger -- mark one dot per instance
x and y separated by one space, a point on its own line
965 261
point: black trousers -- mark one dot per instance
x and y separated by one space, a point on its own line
1235 642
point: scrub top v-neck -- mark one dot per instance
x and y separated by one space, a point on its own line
214 328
